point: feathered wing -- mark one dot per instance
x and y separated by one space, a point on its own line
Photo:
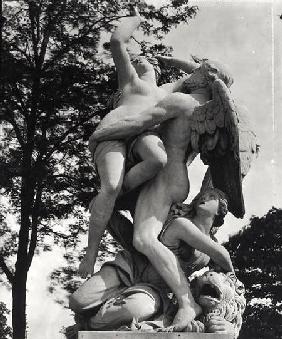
248 143
222 135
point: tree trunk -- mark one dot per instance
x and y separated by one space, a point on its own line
19 305
21 267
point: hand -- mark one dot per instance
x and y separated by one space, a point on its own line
86 267
218 324
195 326
184 318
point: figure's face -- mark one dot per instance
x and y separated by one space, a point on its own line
211 70
198 79
208 203
141 65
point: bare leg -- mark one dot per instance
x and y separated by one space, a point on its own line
151 150
151 212
110 166
121 310
95 291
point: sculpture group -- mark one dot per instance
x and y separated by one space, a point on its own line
141 150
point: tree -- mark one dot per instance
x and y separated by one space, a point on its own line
55 85
257 255
5 331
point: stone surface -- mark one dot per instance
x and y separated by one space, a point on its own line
146 335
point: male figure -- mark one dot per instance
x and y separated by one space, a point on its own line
171 184
138 90
130 287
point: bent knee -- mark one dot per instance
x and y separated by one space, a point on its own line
144 243
75 304
141 306
111 189
158 162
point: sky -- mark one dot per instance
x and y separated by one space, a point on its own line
243 35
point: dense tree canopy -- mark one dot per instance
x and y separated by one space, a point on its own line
257 255
5 331
55 82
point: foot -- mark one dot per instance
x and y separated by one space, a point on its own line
183 318
86 266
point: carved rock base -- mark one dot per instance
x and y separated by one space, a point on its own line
146 335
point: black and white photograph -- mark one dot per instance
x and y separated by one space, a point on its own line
140 169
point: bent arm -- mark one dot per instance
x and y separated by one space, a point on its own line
119 38
186 66
122 123
189 233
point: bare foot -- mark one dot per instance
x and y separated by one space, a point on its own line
183 318
86 266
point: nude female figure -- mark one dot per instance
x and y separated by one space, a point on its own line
138 90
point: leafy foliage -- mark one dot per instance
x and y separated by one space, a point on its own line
55 82
5 331
257 255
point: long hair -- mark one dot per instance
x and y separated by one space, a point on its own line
190 210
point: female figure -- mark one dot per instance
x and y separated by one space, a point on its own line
130 287
138 91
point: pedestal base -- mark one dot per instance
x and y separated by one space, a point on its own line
147 335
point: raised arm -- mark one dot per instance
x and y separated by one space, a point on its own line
119 38
186 231
186 66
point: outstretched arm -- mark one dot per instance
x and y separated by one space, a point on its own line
120 37
186 231
121 123
186 66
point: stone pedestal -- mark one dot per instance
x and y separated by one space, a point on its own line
146 335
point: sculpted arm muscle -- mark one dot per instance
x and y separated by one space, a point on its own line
122 123
186 231
186 66
119 38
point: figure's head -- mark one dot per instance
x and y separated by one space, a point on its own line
145 65
206 73
141 64
212 202
155 63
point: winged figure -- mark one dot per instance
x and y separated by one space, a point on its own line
219 131
223 136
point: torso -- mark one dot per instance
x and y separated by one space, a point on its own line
141 94
190 258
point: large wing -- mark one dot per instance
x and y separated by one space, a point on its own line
248 143
215 134
248 147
